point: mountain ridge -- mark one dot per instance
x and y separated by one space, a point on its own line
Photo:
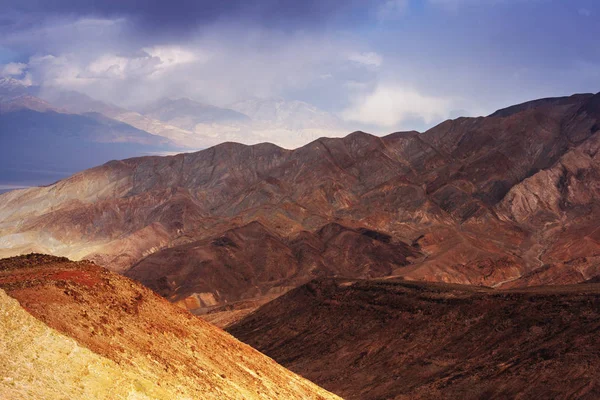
456 193
38 138
187 113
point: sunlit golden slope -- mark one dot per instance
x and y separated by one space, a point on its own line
100 335
39 362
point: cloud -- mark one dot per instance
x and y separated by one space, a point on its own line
339 55
454 5
390 105
220 65
177 17
148 63
367 58
12 69
16 72
61 71
171 56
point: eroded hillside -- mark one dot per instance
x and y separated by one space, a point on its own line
39 362
137 340
508 200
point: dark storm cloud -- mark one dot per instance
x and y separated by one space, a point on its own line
177 16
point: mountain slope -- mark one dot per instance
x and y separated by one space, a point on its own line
44 140
395 339
456 194
187 113
80 103
257 255
37 142
29 346
133 335
11 88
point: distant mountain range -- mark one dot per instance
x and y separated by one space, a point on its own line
285 123
42 142
81 132
187 113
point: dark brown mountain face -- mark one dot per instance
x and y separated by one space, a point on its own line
393 339
250 262
508 200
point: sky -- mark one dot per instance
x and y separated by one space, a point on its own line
386 65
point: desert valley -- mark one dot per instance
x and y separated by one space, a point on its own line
500 212
192 206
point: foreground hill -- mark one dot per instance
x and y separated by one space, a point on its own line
84 332
29 346
405 340
508 200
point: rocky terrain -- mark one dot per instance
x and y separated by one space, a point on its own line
265 264
40 362
394 339
509 200
80 331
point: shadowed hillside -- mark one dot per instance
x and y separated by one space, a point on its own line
401 340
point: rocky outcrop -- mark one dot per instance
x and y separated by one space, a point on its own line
559 206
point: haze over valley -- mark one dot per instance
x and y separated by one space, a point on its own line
87 132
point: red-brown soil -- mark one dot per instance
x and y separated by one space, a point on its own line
121 320
392 339
252 262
